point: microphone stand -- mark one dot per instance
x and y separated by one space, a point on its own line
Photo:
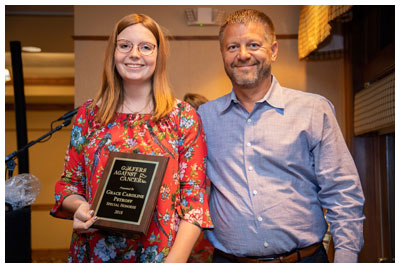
10 162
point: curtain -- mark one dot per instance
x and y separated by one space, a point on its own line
315 28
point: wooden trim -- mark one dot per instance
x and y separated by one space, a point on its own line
383 196
348 90
287 36
382 64
193 38
44 81
42 106
90 37
174 37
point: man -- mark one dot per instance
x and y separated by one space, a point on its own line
276 158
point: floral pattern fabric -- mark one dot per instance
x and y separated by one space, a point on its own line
203 250
182 195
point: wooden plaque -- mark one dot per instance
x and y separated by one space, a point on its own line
128 192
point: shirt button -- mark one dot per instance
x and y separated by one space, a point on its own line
248 144
259 219
266 244
254 192
250 168
249 120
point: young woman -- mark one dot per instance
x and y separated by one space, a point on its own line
134 111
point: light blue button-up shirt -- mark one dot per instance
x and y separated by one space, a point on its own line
272 172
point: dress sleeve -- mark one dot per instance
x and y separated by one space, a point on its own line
73 179
192 168
341 193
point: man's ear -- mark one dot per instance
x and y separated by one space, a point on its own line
274 49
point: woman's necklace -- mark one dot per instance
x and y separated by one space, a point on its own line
139 111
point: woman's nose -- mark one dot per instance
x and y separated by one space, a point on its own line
134 53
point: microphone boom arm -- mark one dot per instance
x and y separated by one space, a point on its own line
10 158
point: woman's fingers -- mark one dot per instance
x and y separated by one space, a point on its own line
83 219
86 225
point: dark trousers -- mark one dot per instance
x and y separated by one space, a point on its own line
318 257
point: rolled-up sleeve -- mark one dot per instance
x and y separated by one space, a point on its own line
192 169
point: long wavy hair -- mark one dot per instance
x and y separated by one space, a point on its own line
111 94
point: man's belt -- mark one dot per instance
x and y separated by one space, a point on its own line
293 256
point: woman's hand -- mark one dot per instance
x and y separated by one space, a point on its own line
83 219
79 209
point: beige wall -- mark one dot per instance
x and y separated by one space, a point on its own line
196 66
193 66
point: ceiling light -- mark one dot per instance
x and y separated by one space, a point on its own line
8 77
32 49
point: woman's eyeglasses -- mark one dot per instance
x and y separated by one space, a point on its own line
144 48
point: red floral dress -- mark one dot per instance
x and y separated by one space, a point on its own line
203 250
180 137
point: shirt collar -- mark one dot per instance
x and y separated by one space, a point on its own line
273 97
230 99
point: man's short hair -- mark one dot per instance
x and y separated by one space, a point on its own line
246 16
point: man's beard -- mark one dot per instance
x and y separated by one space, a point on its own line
248 79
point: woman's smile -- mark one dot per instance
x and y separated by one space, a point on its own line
132 66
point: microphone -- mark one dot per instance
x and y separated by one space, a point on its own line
68 115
